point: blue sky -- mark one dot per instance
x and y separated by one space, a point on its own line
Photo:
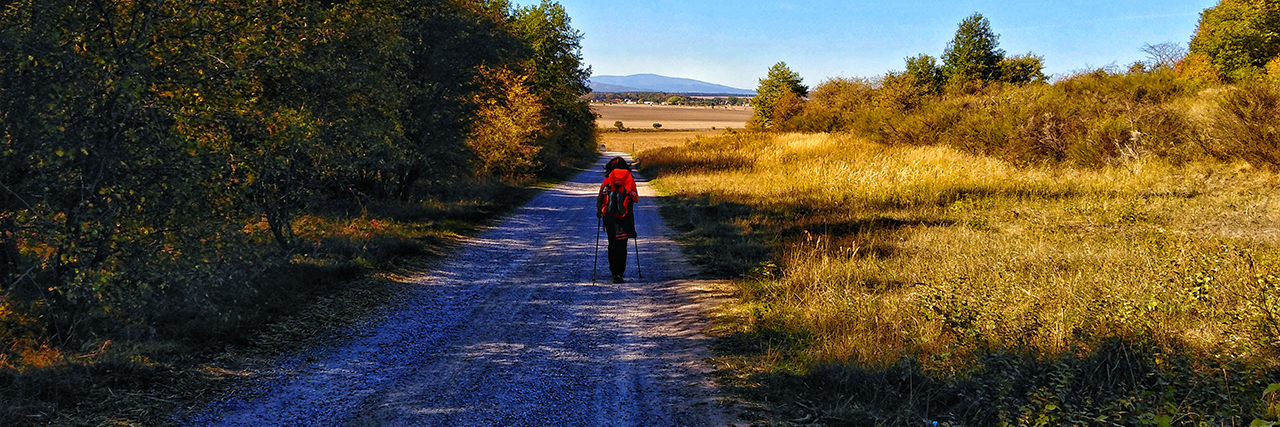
734 42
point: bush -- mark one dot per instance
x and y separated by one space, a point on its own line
1146 87
1246 125
1088 119
838 105
1022 69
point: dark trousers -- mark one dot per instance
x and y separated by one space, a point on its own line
625 226
617 256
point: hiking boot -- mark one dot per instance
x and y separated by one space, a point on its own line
617 279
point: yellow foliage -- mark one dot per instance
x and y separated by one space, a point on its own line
1198 66
1273 68
508 123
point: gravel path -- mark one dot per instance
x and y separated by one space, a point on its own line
511 331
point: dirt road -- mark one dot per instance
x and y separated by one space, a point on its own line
511 331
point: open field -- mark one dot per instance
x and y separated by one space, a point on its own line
636 141
900 283
671 117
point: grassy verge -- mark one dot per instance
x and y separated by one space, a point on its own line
352 261
886 285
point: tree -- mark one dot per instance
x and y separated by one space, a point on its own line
559 80
86 152
140 136
779 82
143 142
507 125
924 70
1198 67
1027 68
447 43
785 107
1164 56
974 53
1239 36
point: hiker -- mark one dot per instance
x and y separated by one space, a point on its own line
614 205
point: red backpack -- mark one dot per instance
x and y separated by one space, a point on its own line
616 200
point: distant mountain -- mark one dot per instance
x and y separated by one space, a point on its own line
608 88
656 83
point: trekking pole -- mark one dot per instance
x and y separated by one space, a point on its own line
596 264
638 274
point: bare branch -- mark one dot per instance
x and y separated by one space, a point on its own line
1164 55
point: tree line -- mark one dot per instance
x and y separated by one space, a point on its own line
667 98
973 57
140 139
978 99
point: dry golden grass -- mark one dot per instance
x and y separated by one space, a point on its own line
930 253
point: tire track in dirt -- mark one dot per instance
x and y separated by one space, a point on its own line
510 330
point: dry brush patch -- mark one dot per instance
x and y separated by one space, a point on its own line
1013 286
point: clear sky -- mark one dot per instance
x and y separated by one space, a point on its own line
733 42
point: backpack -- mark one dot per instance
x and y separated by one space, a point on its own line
615 199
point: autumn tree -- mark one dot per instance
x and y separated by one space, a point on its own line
779 83
448 43
508 123
1239 37
140 140
559 79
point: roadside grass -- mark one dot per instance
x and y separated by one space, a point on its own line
351 261
882 285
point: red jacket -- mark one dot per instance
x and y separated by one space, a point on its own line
618 177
